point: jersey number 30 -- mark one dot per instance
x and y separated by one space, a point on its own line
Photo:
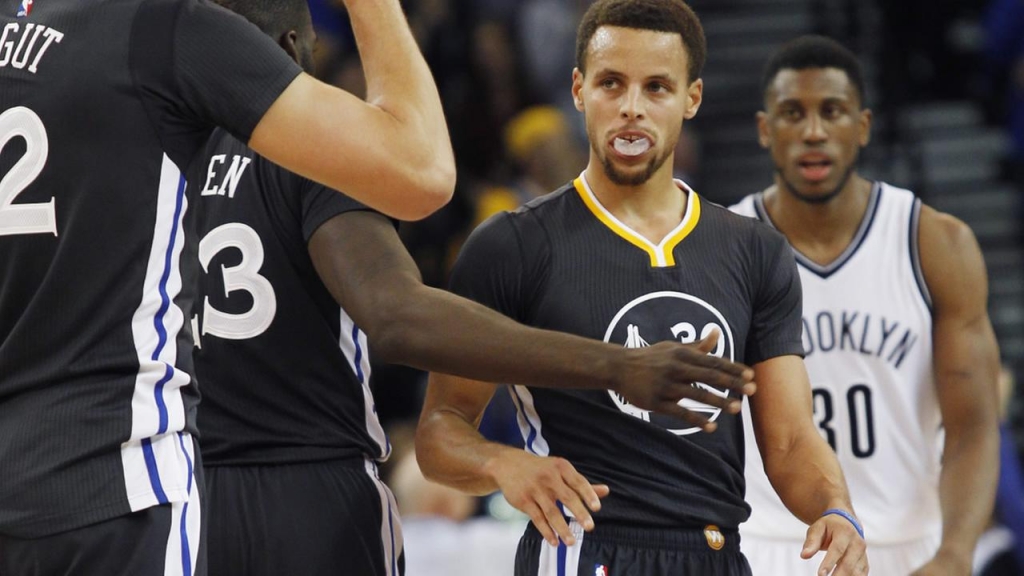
861 418
31 218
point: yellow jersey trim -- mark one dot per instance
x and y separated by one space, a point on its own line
661 255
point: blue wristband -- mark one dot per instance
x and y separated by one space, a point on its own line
848 516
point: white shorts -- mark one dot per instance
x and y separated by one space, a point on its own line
776 557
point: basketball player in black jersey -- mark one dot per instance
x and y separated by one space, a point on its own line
630 256
103 105
300 285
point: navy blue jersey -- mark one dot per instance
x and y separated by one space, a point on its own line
563 262
284 369
103 104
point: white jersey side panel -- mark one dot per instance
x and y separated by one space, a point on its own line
868 344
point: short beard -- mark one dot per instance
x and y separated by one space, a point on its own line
809 199
636 179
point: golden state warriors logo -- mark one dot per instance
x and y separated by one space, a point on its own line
714 536
678 317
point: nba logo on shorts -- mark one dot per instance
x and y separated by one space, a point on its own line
600 570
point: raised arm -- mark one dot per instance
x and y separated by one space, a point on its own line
391 152
363 263
802 467
966 373
451 451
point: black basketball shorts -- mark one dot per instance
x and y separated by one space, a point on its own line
630 551
311 519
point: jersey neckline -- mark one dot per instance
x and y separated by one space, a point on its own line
661 254
858 239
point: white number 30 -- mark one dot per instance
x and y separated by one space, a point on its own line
35 218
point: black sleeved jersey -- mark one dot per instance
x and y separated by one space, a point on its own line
563 262
284 370
102 105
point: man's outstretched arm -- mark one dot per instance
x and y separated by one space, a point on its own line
802 467
362 262
391 152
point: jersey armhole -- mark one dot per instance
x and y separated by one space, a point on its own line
915 252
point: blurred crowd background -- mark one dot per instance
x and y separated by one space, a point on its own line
945 81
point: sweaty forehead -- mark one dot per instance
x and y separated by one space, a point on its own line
810 84
618 47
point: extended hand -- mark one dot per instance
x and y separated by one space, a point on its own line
658 377
533 484
845 551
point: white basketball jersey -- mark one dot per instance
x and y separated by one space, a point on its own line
868 345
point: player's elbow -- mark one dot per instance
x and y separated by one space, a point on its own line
389 344
431 188
395 333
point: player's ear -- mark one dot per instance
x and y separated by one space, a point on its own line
577 88
864 127
763 137
694 96
288 41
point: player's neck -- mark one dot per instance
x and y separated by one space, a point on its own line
652 209
819 231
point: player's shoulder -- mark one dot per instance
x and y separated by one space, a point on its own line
934 225
951 261
522 229
747 206
548 204
742 221
943 232
893 191
729 216
750 215
528 218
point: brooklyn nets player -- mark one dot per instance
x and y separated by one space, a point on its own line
897 339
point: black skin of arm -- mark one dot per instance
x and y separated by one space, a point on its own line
364 265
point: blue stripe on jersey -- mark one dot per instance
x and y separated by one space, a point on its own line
359 353
154 473
158 392
562 550
186 556
533 431
165 304
158 324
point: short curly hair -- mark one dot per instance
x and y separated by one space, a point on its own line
657 15
813 51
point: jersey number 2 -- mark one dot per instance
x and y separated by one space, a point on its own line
34 218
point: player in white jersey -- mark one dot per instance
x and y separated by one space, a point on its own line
899 347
